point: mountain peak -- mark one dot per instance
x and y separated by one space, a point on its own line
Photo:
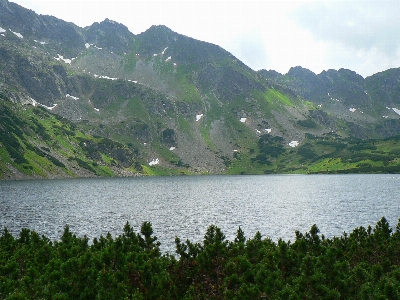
160 28
160 31
350 73
111 35
107 25
108 22
298 70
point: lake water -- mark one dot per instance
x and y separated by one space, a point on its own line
275 205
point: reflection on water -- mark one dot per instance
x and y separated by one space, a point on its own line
275 205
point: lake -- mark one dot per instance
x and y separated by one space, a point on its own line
184 206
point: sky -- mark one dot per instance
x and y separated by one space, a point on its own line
360 35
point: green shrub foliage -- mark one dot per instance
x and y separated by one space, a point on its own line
364 264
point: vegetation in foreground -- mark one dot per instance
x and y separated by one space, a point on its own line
361 265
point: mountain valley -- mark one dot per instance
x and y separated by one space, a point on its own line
101 101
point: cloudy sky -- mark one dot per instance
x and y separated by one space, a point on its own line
360 35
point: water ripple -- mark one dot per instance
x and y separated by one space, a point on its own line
275 205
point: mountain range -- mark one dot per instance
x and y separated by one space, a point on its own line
102 101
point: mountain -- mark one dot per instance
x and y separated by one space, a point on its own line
165 103
372 102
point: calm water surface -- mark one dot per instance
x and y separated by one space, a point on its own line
275 205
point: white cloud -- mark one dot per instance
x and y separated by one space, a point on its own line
251 49
359 35
360 24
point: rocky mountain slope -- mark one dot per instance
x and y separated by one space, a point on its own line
347 95
173 103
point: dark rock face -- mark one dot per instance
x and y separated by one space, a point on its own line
389 128
345 85
270 74
306 83
384 87
110 35
34 77
169 137
66 38
227 82
323 118
342 85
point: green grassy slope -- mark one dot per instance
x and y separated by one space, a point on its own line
35 143
328 154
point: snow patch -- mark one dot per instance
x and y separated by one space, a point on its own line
109 78
41 43
87 45
69 96
49 107
17 34
168 58
96 109
198 117
258 131
35 103
2 30
385 117
397 111
352 109
155 54
162 53
98 47
268 130
154 162
66 60
243 120
171 148
293 144
134 81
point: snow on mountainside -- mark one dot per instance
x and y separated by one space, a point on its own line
182 103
